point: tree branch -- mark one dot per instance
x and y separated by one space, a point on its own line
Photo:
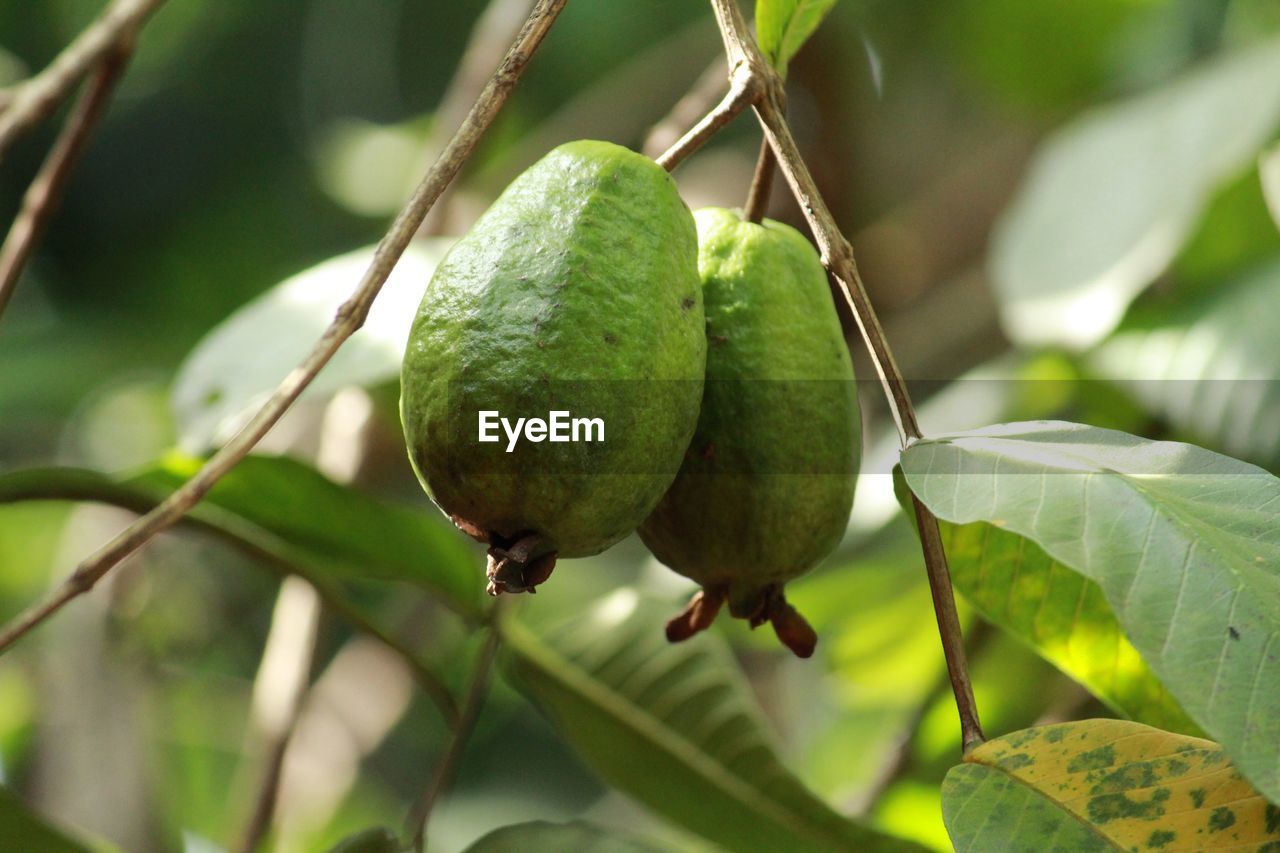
42 197
285 671
350 316
761 184
837 256
274 554
30 102
416 823
691 107
489 37
743 90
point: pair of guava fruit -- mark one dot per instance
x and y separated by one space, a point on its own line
707 346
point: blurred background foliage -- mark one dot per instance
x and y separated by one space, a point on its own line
251 141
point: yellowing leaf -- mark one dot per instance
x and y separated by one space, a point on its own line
1132 786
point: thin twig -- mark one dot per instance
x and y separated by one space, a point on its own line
274 554
416 824
761 184
692 106
286 666
900 757
350 317
33 100
837 256
42 197
742 91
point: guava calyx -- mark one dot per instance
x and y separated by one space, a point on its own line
518 564
770 605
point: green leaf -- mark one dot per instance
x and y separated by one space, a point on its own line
1111 198
540 836
282 508
1209 369
1183 543
1103 785
236 366
672 725
783 26
18 823
1062 615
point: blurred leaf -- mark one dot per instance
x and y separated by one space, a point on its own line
370 168
672 726
1006 45
234 369
1269 174
543 837
1103 785
283 509
881 648
1111 198
20 825
1183 542
783 26
1210 368
376 840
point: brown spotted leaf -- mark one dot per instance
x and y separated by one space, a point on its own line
1104 785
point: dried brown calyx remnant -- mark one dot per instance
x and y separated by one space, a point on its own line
771 606
519 563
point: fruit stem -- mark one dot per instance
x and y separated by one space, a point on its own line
761 185
745 60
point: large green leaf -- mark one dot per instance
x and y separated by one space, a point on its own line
1111 198
672 725
270 502
1062 615
1103 785
22 829
233 370
783 26
1184 544
540 836
1209 369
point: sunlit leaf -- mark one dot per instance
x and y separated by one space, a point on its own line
544 837
283 509
20 827
672 725
1103 785
233 370
1111 198
1062 615
783 26
1210 369
1183 542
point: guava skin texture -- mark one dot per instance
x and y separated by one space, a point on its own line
577 290
767 483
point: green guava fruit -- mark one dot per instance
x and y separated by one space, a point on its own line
576 292
767 483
